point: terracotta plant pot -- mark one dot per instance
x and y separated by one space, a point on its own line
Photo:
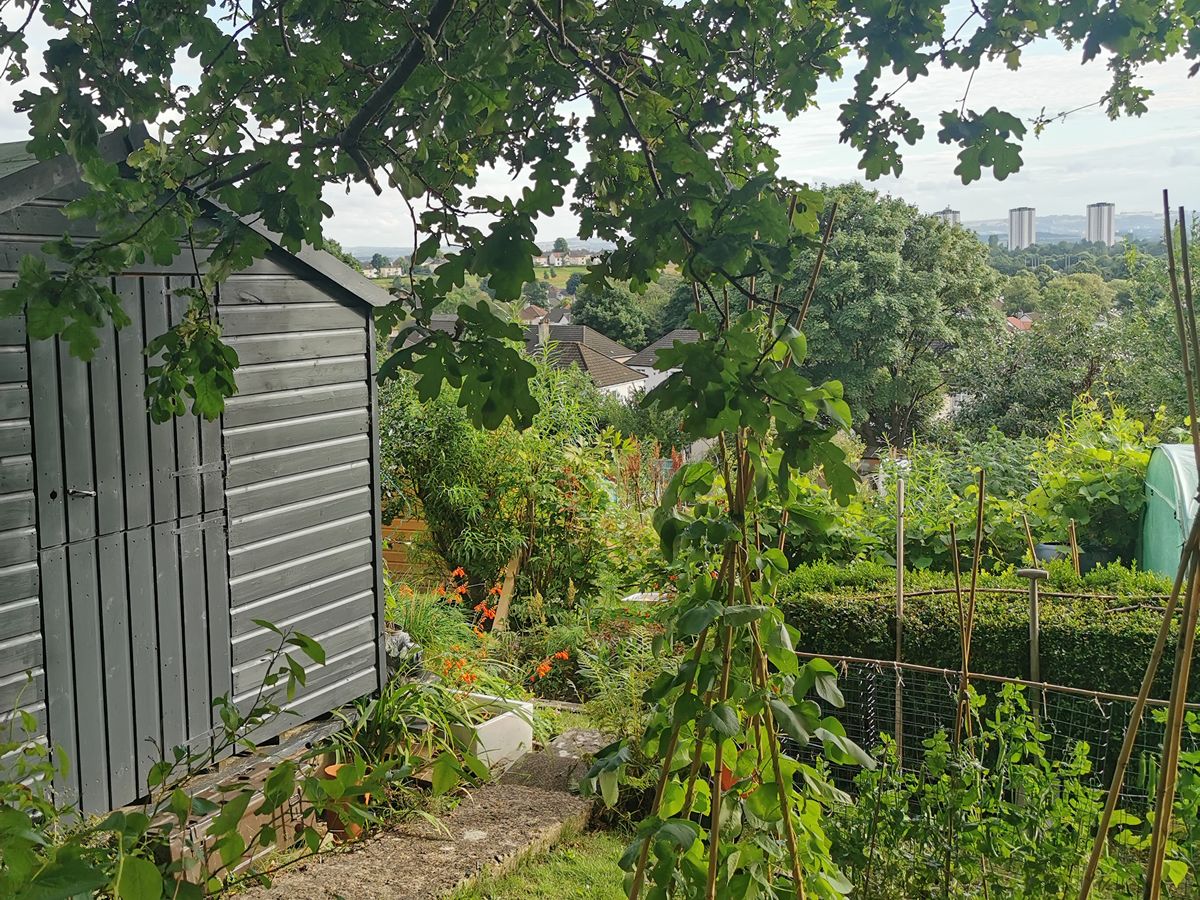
340 829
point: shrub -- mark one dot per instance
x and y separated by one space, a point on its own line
1084 642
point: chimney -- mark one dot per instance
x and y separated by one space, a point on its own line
543 333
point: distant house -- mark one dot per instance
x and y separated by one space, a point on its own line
610 376
576 334
532 314
644 360
560 315
601 357
1022 322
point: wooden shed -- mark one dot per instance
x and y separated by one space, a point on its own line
134 556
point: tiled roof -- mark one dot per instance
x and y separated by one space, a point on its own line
604 372
446 323
556 315
580 334
645 358
531 313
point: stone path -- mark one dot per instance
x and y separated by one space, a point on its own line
492 830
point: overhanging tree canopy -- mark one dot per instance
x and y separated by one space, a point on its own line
283 99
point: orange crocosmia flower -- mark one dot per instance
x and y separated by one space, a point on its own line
496 589
461 589
460 572
440 590
562 654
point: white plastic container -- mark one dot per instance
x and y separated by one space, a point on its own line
503 737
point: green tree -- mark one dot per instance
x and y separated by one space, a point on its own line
378 261
1021 293
573 281
332 246
536 291
612 311
287 100
561 245
899 294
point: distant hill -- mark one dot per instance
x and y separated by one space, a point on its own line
365 253
1055 227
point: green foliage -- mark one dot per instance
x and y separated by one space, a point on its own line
899 294
1095 644
487 496
613 312
1093 470
573 282
1005 809
680 168
642 418
45 852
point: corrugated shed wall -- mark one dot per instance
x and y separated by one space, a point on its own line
22 677
299 488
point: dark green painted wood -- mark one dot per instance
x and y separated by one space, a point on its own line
118 669
170 636
106 416
135 434
92 758
143 631
48 436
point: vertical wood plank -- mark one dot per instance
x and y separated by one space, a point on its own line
60 669
118 675
78 451
195 627
131 344
170 637
89 677
143 621
216 559
187 427
106 422
48 444
162 435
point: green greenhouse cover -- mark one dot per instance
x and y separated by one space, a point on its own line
1170 506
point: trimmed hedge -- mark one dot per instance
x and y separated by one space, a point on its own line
1084 642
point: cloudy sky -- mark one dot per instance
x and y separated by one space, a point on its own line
1084 159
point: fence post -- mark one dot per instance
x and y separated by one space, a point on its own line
1035 617
899 714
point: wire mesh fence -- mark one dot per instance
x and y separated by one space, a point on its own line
928 700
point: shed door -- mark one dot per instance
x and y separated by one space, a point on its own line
132 545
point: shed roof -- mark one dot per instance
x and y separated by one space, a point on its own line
24 178
646 357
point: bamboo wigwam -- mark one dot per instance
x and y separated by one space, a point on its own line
1187 586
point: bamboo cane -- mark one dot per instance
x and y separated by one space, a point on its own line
1187 561
1074 548
970 629
1033 560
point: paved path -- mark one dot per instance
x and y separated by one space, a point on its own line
489 831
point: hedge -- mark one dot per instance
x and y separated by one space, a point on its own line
1084 642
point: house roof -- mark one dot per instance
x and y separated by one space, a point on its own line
408 335
579 334
604 372
646 358
556 315
24 178
531 313
1019 323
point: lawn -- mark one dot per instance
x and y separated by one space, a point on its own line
583 867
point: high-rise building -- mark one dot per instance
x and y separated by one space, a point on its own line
949 216
1102 223
1022 227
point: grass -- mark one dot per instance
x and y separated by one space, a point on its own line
582 867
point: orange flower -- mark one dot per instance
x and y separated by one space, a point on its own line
562 654
496 589
440 590
461 589
543 669
460 572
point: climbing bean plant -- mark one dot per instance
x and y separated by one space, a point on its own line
735 812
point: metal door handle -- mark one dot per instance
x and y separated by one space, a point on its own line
77 492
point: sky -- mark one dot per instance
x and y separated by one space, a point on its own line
1085 159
